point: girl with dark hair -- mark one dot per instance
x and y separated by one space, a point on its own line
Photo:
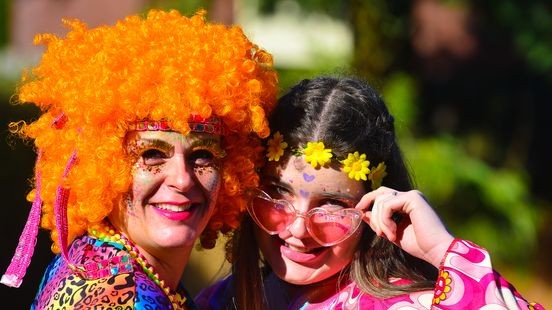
336 223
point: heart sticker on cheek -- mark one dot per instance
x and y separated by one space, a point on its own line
307 177
303 193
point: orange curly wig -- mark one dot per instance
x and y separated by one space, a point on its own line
159 66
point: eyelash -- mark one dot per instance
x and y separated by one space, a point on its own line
276 191
153 156
334 202
201 157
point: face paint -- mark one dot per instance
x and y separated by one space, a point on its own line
293 254
176 179
308 177
299 163
128 205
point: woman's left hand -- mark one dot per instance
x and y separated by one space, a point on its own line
419 231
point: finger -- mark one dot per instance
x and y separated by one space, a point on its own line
370 204
368 200
378 212
382 206
390 206
368 216
374 223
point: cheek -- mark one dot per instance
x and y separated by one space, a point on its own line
345 251
145 178
209 177
141 168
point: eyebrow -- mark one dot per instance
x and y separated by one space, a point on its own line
278 181
158 143
337 196
205 142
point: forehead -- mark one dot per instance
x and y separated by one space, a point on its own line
301 176
171 137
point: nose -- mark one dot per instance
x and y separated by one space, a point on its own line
298 227
180 176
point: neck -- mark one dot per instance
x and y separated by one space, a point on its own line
170 266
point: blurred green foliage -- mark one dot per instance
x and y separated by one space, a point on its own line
483 195
187 7
529 22
478 202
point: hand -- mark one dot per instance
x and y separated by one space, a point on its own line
419 231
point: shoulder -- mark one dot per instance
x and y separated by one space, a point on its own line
215 296
104 275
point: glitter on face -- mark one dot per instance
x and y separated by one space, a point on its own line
212 146
299 163
175 170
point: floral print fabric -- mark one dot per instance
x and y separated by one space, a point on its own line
466 281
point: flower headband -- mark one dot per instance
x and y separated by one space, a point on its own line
356 166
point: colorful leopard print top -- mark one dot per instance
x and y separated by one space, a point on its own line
111 280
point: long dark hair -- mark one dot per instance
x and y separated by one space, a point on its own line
348 115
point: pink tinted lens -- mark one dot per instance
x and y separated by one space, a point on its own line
330 228
273 216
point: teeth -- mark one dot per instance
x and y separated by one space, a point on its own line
296 249
173 208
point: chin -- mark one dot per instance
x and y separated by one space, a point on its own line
307 278
177 237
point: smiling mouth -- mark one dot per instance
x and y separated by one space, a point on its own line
303 250
173 208
302 255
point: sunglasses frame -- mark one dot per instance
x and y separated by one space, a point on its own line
258 193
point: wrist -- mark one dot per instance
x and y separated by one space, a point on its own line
439 253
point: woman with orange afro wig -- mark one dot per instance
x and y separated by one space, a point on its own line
148 137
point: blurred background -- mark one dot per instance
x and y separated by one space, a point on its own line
469 82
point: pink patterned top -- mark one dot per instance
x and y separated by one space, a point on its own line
466 281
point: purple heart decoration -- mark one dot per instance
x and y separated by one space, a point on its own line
308 177
303 193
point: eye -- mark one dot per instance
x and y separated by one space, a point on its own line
334 204
153 157
277 192
201 158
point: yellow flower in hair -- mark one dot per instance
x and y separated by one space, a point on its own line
356 166
316 154
276 146
377 175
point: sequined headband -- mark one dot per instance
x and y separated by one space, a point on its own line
356 166
197 123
